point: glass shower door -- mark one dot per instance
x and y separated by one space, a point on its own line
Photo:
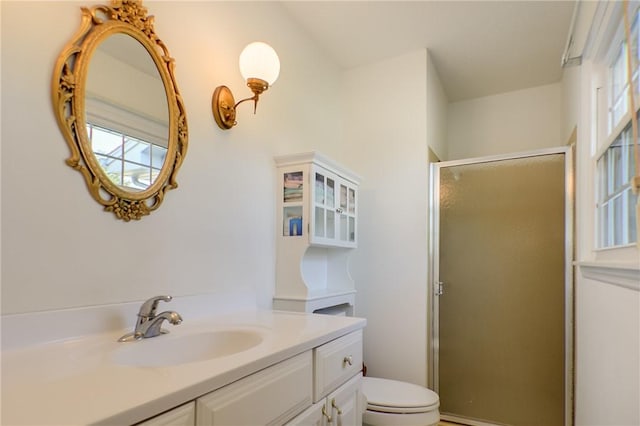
501 316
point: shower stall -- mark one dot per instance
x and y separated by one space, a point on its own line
502 312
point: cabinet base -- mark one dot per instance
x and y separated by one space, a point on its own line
343 302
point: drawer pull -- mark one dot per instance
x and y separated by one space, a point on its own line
324 413
347 360
334 405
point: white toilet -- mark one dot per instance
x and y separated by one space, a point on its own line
394 403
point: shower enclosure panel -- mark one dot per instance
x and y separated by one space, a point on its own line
503 293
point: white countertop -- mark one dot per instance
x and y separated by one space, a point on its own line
78 381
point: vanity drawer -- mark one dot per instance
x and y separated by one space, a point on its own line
336 362
269 397
185 415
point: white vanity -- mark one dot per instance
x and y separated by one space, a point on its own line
245 368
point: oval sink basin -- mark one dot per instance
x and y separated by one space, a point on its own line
167 349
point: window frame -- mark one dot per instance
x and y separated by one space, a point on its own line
617 131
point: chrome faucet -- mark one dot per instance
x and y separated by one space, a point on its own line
148 323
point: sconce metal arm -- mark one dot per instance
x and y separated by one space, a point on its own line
254 98
222 101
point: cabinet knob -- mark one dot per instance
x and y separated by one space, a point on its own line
339 210
347 360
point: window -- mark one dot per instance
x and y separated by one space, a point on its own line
616 202
128 162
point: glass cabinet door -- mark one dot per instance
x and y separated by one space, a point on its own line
347 212
330 204
351 211
344 227
319 229
324 202
334 210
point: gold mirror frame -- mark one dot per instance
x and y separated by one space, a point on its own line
69 81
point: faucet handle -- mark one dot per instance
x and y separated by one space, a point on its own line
148 308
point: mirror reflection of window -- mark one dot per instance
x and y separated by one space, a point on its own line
127 118
129 162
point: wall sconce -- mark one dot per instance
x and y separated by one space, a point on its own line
260 67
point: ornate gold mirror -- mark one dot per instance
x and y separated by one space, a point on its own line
117 103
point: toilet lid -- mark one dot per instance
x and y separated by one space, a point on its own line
392 396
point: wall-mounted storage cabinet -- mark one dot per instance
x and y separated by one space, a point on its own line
318 224
318 200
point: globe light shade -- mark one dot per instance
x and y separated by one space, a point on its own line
259 60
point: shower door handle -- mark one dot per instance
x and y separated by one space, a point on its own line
439 288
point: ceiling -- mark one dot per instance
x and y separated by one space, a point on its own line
479 48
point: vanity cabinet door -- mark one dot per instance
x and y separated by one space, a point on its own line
312 416
346 404
343 407
271 396
185 415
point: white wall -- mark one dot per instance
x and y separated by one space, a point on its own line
215 233
437 112
570 86
608 355
385 142
516 121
